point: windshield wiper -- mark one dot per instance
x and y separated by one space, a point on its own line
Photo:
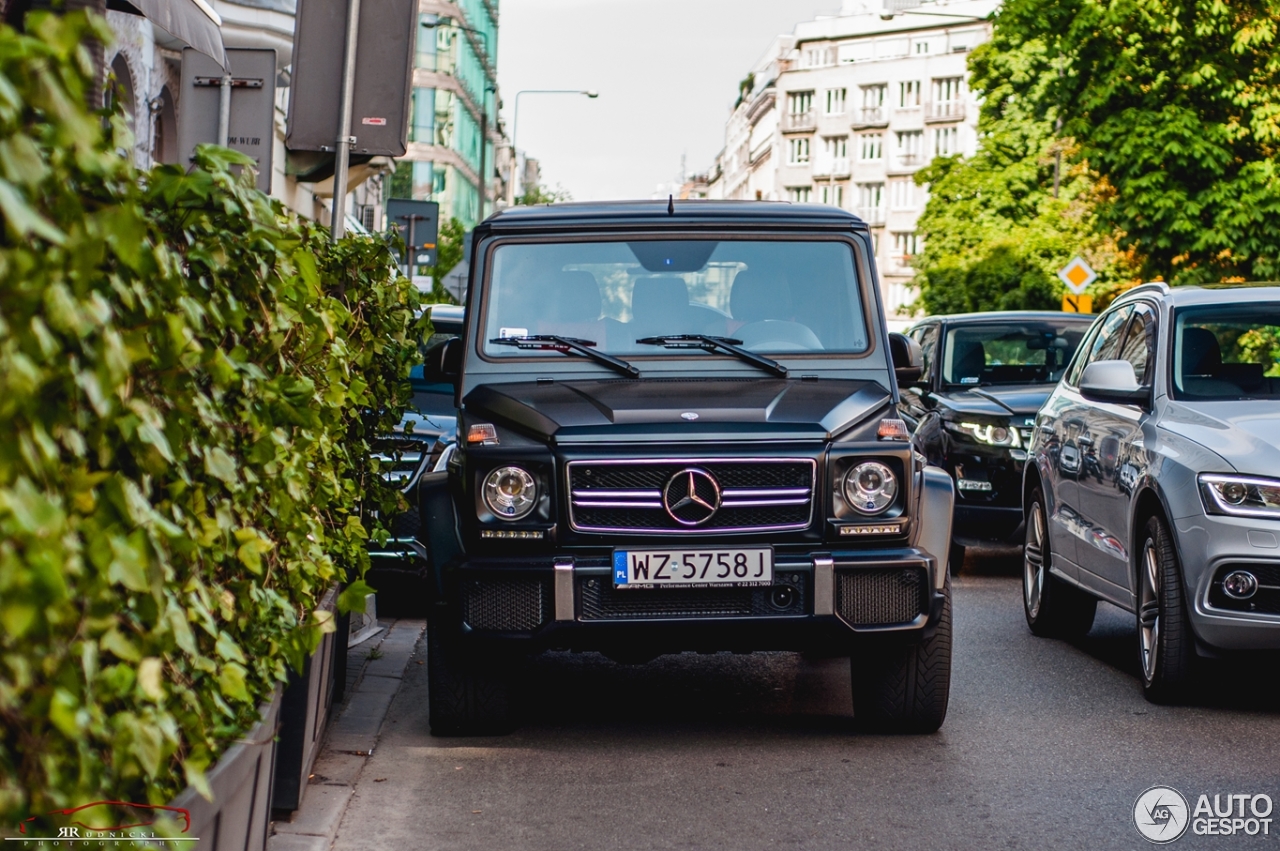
715 344
566 345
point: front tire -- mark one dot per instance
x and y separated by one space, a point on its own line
469 693
1053 608
1165 644
905 689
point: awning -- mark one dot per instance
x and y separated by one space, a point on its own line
192 22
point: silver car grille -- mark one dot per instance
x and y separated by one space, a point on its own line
642 496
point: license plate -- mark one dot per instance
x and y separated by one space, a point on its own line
695 568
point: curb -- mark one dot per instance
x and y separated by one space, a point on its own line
350 739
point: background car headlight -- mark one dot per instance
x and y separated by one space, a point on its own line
1243 496
510 492
870 487
992 434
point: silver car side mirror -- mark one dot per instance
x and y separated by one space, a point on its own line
1113 381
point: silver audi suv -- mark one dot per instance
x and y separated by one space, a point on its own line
1154 480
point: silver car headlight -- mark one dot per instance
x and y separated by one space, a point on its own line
990 434
870 487
1242 496
510 492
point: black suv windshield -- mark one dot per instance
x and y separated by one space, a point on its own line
776 296
1030 352
1229 351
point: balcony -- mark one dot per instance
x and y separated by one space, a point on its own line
828 166
871 215
796 122
944 110
870 116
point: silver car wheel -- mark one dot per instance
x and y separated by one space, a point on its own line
1033 567
1149 609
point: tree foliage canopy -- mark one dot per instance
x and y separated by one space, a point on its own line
1176 107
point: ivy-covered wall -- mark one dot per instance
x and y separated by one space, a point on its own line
189 384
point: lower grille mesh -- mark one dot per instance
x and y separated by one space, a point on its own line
510 605
599 600
880 596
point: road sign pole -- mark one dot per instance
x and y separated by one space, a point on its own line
224 109
342 147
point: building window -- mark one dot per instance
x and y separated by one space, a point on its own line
832 195
798 103
836 147
873 96
902 194
799 151
871 196
908 94
922 47
800 194
871 147
835 101
946 89
946 141
910 146
424 114
905 246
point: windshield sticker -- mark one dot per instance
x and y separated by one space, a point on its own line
969 380
504 333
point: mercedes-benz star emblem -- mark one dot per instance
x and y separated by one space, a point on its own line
689 415
691 497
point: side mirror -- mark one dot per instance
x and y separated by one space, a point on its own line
1113 381
442 363
908 359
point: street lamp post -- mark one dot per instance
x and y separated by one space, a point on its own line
515 119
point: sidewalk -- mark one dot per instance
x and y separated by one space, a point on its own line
374 671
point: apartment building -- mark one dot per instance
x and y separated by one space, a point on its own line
455 93
846 109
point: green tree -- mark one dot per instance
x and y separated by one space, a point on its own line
448 254
1176 106
540 194
1000 224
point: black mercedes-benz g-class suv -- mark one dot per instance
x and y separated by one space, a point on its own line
677 431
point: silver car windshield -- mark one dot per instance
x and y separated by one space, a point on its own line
1227 352
1029 352
774 296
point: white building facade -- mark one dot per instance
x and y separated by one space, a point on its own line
845 110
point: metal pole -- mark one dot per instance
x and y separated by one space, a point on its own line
412 249
342 149
515 155
224 109
484 143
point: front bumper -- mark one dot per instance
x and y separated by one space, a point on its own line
825 602
1208 548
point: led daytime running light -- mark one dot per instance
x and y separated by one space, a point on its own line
989 433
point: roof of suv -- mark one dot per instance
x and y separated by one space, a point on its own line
679 214
1208 294
1007 316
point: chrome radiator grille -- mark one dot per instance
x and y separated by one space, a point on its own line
691 496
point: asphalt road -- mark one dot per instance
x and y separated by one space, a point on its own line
1047 745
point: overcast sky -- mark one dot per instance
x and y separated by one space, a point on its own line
667 72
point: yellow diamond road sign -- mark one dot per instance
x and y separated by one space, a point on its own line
1077 275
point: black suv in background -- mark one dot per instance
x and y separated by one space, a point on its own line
678 431
973 409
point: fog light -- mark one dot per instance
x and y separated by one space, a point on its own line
1240 584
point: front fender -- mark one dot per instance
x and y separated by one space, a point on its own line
439 531
932 523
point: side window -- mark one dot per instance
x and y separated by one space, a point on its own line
1140 343
928 340
1103 345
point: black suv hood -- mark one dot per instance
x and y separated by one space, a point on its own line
660 409
1016 400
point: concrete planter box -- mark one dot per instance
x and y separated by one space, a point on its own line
304 711
238 817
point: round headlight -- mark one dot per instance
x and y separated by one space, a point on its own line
870 487
510 492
